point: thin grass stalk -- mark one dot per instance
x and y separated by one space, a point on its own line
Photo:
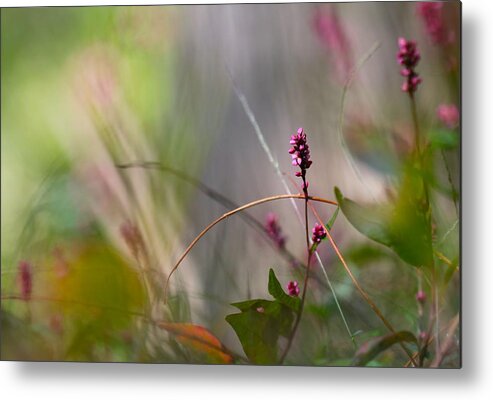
363 293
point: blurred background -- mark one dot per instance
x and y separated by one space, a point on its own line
115 119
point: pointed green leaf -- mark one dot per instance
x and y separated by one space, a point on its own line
370 221
404 226
275 289
332 220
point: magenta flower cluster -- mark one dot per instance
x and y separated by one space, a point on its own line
318 233
293 288
300 152
25 280
273 229
408 56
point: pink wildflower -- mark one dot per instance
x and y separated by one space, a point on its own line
408 56
449 115
318 233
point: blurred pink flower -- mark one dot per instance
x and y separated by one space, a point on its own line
25 280
433 18
421 297
331 33
131 234
274 231
449 115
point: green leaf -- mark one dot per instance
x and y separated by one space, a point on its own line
332 220
21 341
403 225
275 289
410 225
370 221
365 254
443 139
261 323
374 347
259 327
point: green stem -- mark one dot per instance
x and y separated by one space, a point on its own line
434 281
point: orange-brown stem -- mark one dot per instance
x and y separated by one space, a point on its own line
233 212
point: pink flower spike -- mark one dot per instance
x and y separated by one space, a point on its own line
300 152
408 56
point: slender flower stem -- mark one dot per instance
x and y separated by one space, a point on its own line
305 284
233 212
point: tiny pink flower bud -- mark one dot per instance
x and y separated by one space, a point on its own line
293 288
421 297
260 310
423 336
318 233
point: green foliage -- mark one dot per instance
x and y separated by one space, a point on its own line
22 341
402 225
374 347
262 322
443 139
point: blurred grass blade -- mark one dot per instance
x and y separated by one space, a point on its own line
374 347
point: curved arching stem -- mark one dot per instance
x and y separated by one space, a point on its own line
233 212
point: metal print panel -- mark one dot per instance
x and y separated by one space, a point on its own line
264 184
